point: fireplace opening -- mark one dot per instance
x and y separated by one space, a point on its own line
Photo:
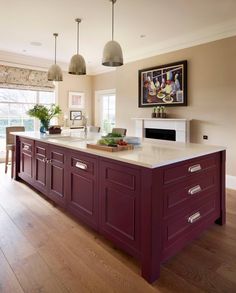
165 134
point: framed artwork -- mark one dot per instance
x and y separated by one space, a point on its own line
76 100
164 85
75 115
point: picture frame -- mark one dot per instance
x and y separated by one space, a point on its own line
75 115
76 100
164 85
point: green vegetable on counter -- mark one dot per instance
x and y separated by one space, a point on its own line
107 141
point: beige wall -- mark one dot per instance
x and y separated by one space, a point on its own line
75 83
211 93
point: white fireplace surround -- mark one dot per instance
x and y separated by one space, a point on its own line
181 126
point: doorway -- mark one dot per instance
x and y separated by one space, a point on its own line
105 110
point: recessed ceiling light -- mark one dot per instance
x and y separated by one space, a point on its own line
142 36
37 44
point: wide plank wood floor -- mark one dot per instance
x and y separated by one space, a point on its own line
43 249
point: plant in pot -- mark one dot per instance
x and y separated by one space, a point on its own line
44 114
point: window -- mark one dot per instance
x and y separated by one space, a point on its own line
105 110
14 104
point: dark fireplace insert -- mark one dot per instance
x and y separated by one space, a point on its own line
165 134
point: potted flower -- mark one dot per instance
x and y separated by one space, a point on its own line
44 114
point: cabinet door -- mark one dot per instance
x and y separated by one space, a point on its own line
41 166
83 188
120 204
56 174
27 160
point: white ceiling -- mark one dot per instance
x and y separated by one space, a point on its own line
168 25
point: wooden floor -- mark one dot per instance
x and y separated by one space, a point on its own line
42 249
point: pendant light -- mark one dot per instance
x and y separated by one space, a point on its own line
54 72
112 52
77 63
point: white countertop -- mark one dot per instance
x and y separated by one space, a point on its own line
151 153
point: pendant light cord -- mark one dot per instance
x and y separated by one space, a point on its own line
55 56
112 33
78 21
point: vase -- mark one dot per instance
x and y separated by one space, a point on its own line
44 125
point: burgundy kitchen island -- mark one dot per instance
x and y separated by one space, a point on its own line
150 201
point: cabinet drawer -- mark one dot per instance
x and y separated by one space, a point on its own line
82 163
189 168
180 195
27 145
178 228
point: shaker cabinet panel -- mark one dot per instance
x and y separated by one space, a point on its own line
27 160
56 174
120 204
41 166
82 197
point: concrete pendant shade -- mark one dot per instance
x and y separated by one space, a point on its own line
54 72
77 63
112 52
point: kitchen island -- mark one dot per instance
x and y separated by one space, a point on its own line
150 201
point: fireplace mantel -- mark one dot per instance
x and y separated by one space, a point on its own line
181 126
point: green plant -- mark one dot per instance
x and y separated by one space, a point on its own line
43 113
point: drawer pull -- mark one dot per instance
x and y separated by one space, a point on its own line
26 147
81 166
195 217
194 168
194 190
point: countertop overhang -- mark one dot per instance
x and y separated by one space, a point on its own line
152 153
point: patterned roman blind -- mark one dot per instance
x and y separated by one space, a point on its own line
22 78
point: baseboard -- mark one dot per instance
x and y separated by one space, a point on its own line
231 182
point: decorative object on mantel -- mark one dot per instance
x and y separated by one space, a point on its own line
159 112
162 112
163 85
54 72
77 63
112 52
44 114
24 78
76 100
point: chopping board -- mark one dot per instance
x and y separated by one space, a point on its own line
110 148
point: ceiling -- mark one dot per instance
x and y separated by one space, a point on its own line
143 28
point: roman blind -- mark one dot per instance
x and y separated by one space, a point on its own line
23 78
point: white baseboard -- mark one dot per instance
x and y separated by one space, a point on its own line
231 182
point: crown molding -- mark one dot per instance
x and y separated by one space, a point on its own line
206 35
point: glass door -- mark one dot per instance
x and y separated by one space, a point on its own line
105 110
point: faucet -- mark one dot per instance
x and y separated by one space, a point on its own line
76 116
85 119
